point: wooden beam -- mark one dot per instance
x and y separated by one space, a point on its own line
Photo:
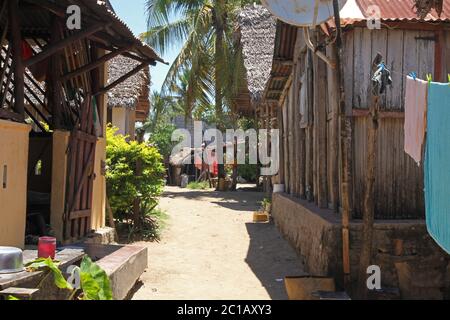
56 47
100 43
10 115
284 62
20 293
18 66
53 8
94 64
121 79
382 114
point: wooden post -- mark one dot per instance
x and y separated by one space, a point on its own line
18 67
281 148
369 203
55 82
296 116
334 95
320 129
286 145
345 113
292 177
309 132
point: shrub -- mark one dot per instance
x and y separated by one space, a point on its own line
162 138
123 185
248 171
202 185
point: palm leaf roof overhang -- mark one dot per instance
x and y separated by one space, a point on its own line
112 33
282 64
132 93
256 35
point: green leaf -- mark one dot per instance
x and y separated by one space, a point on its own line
12 298
94 281
58 277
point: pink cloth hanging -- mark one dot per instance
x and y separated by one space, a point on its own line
415 117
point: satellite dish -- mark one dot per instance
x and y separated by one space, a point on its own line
302 13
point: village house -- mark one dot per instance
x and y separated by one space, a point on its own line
129 102
53 114
324 145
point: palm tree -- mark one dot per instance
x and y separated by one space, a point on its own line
160 105
206 29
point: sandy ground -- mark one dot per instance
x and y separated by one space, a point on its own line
210 249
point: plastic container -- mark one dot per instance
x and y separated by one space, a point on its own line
47 247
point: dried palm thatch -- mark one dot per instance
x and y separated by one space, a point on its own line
257 31
128 93
423 7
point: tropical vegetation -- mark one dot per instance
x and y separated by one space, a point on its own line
208 70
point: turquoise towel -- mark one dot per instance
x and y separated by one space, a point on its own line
437 164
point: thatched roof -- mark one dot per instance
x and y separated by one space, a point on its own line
257 31
128 93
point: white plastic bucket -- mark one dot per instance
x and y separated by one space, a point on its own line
278 188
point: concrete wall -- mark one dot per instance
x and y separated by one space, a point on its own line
14 139
59 181
99 188
409 259
124 119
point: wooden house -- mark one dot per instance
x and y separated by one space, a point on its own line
324 144
129 102
53 171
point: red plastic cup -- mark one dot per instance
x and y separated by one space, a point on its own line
47 247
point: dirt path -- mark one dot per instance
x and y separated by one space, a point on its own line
212 250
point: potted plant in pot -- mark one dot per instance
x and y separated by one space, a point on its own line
263 214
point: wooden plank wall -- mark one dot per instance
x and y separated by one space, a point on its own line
312 167
399 181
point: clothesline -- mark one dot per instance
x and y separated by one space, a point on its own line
413 74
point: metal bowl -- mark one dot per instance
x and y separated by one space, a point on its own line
11 260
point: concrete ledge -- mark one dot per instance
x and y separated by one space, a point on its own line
123 264
408 257
104 235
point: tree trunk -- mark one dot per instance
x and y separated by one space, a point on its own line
137 202
219 30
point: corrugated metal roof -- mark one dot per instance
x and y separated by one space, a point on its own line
390 10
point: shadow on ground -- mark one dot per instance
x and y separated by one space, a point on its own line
230 199
271 258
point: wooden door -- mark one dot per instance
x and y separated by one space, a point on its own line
81 155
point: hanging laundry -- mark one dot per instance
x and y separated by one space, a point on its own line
415 117
437 162
381 79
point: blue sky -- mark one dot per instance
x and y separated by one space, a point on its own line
133 12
